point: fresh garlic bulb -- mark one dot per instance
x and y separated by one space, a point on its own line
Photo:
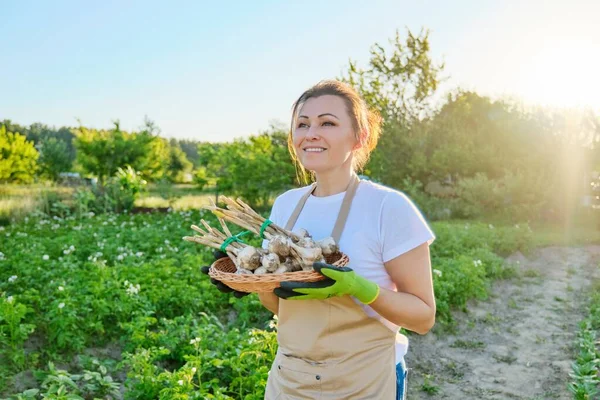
260 271
328 246
307 242
280 245
270 262
282 269
249 258
308 255
303 233
292 264
242 271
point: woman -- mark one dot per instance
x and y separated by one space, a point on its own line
338 338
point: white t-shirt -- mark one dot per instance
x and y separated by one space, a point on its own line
383 223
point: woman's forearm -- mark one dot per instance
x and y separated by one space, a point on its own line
270 301
405 310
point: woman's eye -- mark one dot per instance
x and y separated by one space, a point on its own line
327 123
302 125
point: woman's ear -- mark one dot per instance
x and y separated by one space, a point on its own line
361 141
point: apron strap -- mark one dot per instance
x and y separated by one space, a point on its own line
342 215
294 217
345 209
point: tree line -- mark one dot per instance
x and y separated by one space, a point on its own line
469 156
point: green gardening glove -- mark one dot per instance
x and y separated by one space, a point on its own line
338 282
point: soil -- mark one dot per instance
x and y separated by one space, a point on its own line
518 344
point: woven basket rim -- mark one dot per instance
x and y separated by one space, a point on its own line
265 282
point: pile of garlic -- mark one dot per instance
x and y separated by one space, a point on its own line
286 251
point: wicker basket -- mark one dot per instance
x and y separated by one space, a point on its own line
224 270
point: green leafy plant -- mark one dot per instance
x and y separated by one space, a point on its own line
13 332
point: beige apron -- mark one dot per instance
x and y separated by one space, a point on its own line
331 349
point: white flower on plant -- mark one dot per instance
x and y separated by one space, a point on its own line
194 370
60 288
61 305
91 214
1 228
159 250
1 255
60 258
132 290
72 248
195 340
167 241
120 257
139 254
180 382
491 226
12 278
437 272
477 263
10 299
45 257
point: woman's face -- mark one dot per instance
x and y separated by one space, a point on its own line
323 135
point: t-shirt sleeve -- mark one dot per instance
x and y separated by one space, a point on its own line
274 217
402 226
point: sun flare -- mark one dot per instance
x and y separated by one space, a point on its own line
562 73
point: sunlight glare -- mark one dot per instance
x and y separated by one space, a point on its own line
562 73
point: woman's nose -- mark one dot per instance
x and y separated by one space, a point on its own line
312 133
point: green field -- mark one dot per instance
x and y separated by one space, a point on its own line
116 305
122 297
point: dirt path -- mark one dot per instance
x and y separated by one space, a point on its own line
516 345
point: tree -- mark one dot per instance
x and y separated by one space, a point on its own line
103 152
178 163
154 163
255 168
54 157
190 148
18 157
399 84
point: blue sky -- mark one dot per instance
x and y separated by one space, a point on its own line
214 72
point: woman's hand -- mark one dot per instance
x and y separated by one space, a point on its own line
338 282
220 285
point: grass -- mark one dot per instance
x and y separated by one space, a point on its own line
16 201
468 344
183 203
582 232
585 374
